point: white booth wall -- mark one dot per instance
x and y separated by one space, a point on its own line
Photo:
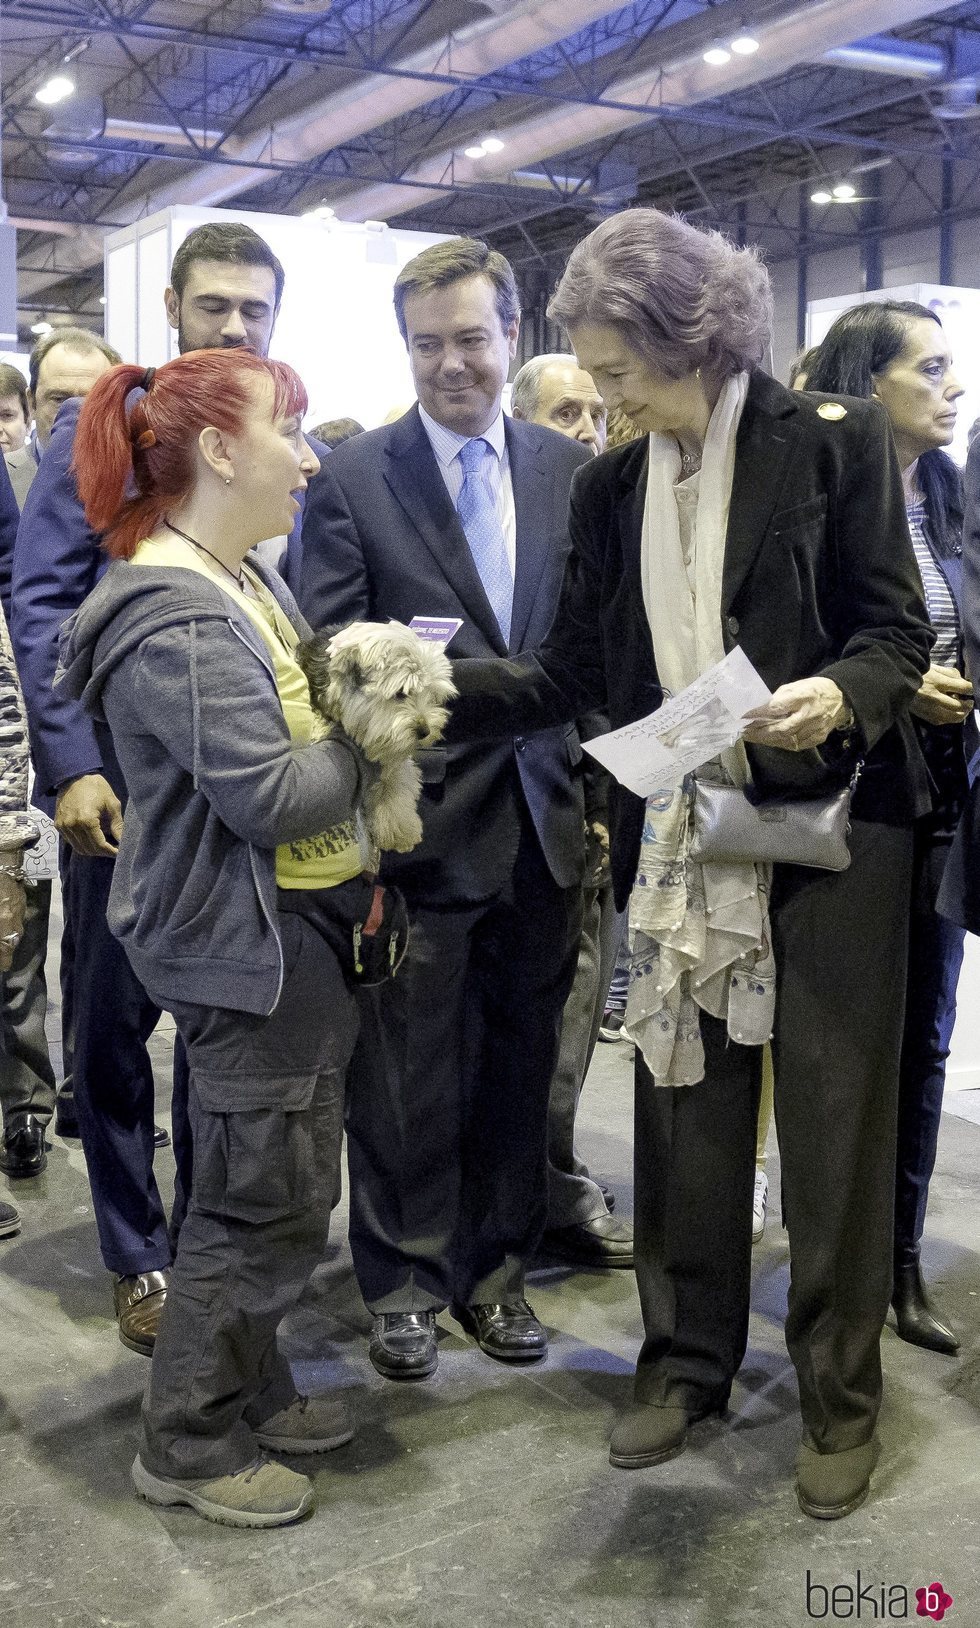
958 309
336 325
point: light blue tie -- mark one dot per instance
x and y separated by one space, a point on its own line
480 521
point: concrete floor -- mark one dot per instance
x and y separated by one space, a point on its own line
484 1496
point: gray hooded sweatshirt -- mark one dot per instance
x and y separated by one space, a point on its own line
214 781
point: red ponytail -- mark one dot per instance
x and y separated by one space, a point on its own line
133 465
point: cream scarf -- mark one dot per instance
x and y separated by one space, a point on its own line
698 934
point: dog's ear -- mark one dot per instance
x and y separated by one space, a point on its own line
350 666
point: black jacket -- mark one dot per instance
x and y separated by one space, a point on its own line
819 578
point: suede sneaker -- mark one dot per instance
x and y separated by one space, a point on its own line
262 1494
310 1424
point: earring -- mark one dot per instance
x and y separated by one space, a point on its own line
227 480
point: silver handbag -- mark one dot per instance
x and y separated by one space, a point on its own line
728 829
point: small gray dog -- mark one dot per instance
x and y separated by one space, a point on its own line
387 689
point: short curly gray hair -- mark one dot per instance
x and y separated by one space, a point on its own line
681 297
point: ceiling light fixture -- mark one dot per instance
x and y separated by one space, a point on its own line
844 192
42 328
717 55
484 147
821 197
55 90
745 44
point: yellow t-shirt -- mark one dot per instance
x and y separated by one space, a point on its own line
313 862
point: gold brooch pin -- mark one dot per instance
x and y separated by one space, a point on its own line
832 410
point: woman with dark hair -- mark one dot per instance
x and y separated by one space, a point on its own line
896 351
239 812
748 515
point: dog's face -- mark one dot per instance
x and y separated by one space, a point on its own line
385 687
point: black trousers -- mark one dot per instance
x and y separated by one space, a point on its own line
448 1096
840 943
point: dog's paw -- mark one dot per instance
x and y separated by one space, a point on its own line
395 834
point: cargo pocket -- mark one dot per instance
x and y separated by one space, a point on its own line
254 1146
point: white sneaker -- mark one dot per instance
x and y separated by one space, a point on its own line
760 1204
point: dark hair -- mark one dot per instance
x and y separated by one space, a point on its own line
13 383
231 241
336 430
803 363
150 446
449 262
75 339
860 344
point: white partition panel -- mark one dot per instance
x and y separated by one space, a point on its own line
122 293
336 325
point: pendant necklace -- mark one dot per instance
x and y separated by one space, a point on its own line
236 577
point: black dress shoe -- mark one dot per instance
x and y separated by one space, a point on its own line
603 1241
648 1435
403 1344
9 1220
511 1333
914 1317
65 1123
832 1485
161 1137
23 1149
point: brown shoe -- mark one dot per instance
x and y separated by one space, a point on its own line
139 1306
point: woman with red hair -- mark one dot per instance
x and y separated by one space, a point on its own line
239 812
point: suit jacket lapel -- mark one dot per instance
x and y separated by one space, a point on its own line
767 440
414 476
534 506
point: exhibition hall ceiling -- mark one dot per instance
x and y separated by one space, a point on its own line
523 121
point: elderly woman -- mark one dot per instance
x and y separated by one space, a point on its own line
240 815
897 351
748 516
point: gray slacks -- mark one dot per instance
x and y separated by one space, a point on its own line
266 1104
27 1083
840 944
574 1197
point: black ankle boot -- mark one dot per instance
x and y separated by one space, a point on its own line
914 1316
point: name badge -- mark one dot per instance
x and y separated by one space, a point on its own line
436 629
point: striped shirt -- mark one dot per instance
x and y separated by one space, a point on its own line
446 445
941 605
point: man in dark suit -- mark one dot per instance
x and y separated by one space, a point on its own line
455 511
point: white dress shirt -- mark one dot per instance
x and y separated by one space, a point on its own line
446 445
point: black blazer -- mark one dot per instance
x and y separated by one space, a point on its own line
819 578
381 539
